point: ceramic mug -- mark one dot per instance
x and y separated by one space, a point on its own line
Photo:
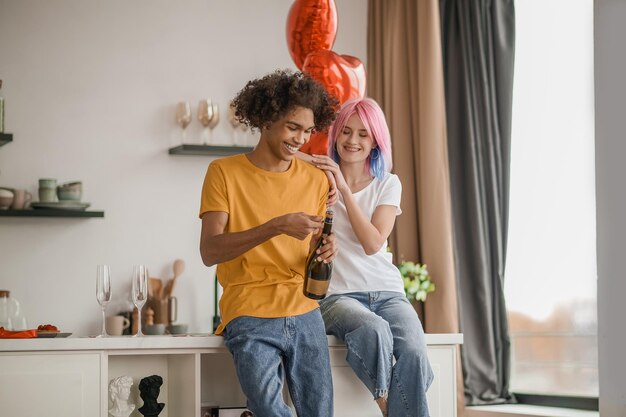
116 325
20 199
47 195
47 183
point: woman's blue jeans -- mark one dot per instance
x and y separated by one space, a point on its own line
376 327
266 349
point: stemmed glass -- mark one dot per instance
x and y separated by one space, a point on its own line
209 116
232 118
140 291
103 292
239 129
183 117
216 118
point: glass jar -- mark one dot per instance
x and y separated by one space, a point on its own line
9 310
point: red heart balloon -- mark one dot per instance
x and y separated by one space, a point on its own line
311 25
317 144
343 76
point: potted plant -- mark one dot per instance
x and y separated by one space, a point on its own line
417 283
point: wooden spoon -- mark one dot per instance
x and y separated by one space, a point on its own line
155 286
179 267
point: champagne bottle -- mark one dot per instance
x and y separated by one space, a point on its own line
317 273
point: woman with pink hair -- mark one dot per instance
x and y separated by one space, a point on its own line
366 305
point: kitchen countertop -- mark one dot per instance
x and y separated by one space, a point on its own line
193 341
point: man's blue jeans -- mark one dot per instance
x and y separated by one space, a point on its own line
376 327
266 349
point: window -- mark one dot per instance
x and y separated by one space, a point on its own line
550 279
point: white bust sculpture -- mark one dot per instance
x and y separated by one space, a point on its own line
119 391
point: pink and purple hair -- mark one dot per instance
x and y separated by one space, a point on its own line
374 121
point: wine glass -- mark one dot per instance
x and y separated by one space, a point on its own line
103 292
205 115
240 129
235 123
209 116
183 117
140 291
216 117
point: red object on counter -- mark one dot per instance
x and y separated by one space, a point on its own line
21 334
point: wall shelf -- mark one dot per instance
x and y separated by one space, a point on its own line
50 213
212 150
8 137
5 138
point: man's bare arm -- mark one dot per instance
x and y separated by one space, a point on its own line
217 246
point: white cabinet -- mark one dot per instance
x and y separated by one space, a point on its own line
50 384
219 384
69 377
352 399
442 393
178 370
189 378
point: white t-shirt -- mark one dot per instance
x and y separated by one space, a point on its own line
353 269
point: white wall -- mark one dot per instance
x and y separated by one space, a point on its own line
90 88
610 67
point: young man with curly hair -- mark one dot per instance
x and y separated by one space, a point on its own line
261 214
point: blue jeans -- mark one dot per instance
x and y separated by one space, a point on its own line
266 349
376 327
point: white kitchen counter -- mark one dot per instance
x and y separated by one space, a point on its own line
69 377
200 341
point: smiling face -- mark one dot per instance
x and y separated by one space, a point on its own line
285 136
354 143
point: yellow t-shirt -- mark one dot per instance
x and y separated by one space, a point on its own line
265 281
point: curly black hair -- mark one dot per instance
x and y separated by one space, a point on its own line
265 100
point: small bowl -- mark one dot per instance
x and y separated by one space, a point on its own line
66 194
6 198
76 185
177 328
5 202
155 329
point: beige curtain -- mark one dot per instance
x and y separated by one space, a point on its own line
405 75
